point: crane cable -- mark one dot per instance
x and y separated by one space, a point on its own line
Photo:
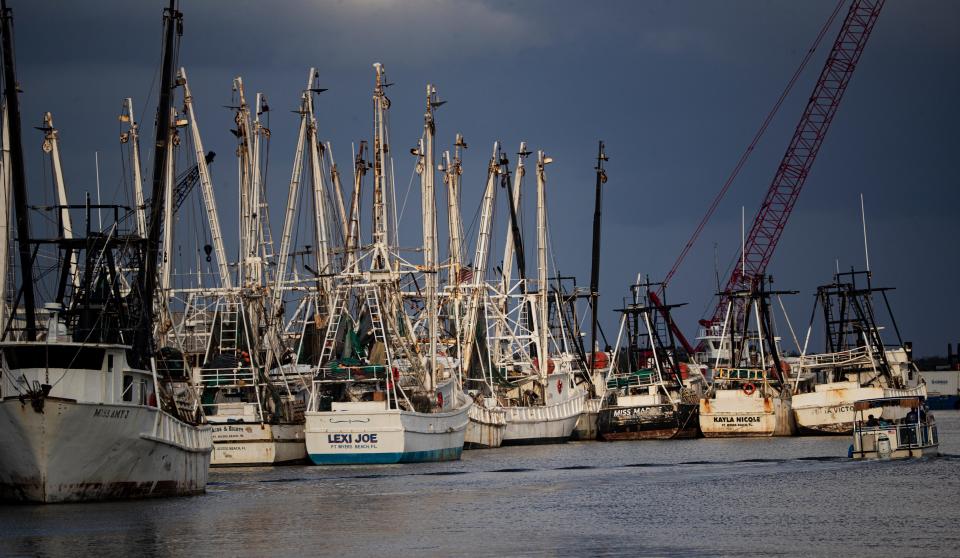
749 150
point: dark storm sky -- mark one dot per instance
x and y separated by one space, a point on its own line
676 89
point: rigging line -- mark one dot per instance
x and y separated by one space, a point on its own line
407 195
750 148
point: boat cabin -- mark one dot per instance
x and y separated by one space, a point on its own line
893 428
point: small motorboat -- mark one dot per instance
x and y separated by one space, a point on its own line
897 426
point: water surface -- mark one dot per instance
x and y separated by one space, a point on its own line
780 496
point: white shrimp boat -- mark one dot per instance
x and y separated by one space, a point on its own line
857 364
364 432
383 392
829 408
550 423
749 395
239 441
739 408
91 430
85 411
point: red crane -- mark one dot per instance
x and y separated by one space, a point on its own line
793 170
803 148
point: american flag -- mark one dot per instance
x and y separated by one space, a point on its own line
465 275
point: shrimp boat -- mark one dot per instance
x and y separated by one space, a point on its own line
749 395
540 395
896 426
381 393
464 302
252 393
89 409
656 397
857 364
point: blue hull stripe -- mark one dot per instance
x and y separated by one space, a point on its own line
448 454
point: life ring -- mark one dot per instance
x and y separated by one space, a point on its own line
749 389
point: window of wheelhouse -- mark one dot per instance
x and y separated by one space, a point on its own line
109 363
127 387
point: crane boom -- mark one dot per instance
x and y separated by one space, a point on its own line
793 170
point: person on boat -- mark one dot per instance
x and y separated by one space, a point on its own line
872 421
911 417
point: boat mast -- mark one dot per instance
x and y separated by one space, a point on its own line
206 186
292 197
514 242
246 163
454 170
319 190
595 260
51 145
173 26
487 208
18 174
381 236
542 270
428 198
360 167
166 264
261 213
337 191
132 135
4 215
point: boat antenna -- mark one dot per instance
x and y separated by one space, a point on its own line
595 263
18 174
863 219
96 166
147 280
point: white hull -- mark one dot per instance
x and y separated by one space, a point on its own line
86 451
369 432
586 428
238 443
734 414
486 427
545 424
829 409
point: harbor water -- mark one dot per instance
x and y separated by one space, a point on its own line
747 497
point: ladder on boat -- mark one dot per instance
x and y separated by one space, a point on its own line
229 326
340 298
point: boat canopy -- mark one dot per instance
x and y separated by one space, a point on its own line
905 402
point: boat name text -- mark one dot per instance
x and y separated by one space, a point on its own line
739 420
111 413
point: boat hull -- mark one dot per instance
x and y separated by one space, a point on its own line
649 422
546 424
829 411
84 451
252 444
586 428
380 435
486 427
734 414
